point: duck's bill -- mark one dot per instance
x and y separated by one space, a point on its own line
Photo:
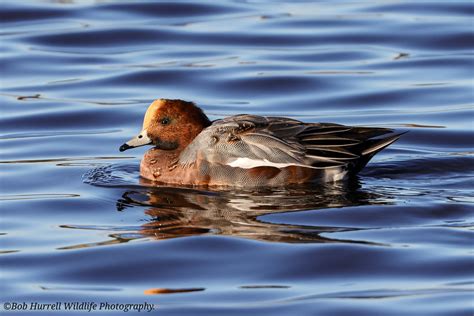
141 140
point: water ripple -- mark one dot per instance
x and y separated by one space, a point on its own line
77 76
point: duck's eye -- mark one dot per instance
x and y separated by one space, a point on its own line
165 121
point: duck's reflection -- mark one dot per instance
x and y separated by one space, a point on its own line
184 212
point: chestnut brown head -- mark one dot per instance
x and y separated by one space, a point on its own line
169 125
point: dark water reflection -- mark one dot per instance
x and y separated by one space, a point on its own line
78 224
178 212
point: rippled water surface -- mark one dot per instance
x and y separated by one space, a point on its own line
79 225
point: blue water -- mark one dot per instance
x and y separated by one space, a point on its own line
78 225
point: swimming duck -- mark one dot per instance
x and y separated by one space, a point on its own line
249 150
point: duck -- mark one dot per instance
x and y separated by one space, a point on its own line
248 150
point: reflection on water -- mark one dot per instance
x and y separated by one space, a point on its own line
179 212
174 212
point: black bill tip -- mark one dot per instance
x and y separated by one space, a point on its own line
125 147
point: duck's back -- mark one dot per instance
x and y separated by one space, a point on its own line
250 150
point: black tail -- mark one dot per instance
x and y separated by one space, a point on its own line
372 147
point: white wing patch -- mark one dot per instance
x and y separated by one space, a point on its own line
247 163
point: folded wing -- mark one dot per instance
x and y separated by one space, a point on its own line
249 141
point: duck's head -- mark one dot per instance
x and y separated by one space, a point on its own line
169 125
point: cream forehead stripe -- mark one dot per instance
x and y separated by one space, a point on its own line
151 111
